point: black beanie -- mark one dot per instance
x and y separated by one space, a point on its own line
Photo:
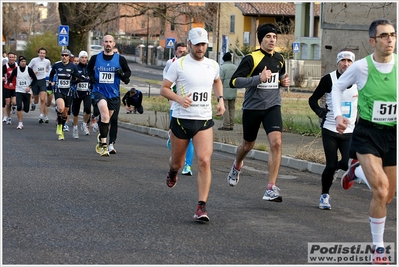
265 29
227 57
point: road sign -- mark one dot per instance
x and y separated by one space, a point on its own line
63 40
170 42
296 47
63 30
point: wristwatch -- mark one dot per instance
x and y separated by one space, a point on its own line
219 97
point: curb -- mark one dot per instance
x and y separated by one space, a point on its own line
301 165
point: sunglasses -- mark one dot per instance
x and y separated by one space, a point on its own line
64 55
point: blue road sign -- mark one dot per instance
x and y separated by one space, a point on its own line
296 47
170 42
63 40
63 30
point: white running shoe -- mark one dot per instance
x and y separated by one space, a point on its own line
324 202
75 132
273 194
5 119
111 149
8 121
85 128
20 126
234 175
66 128
41 118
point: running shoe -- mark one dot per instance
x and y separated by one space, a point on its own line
20 126
8 121
273 194
111 149
75 132
94 124
41 119
171 180
61 136
104 151
234 176
33 107
324 202
98 145
379 258
201 214
85 128
5 119
58 131
349 178
187 170
66 128
13 109
46 120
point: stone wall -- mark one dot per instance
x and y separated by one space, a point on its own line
346 25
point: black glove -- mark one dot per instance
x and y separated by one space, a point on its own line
119 72
322 112
126 80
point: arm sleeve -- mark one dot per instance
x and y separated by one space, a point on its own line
322 88
240 77
125 67
13 74
348 78
33 76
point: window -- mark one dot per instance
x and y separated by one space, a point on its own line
172 26
232 23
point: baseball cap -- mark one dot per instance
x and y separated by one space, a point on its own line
66 51
83 54
198 35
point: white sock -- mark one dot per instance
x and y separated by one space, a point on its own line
377 226
360 174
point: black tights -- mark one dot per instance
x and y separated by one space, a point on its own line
332 142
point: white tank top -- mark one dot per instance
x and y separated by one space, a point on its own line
23 80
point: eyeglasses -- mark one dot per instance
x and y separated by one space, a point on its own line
385 35
64 55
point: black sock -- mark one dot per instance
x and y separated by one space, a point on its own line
172 172
201 203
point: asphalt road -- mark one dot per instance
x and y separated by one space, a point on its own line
65 204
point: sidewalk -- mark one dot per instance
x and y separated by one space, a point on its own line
156 123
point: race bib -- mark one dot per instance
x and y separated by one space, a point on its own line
64 83
82 86
346 109
384 111
22 83
271 83
106 77
40 69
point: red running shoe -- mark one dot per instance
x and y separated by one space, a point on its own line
349 178
201 214
171 180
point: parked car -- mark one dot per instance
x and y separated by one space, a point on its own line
95 49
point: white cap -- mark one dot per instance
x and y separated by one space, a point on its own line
198 35
83 54
345 55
